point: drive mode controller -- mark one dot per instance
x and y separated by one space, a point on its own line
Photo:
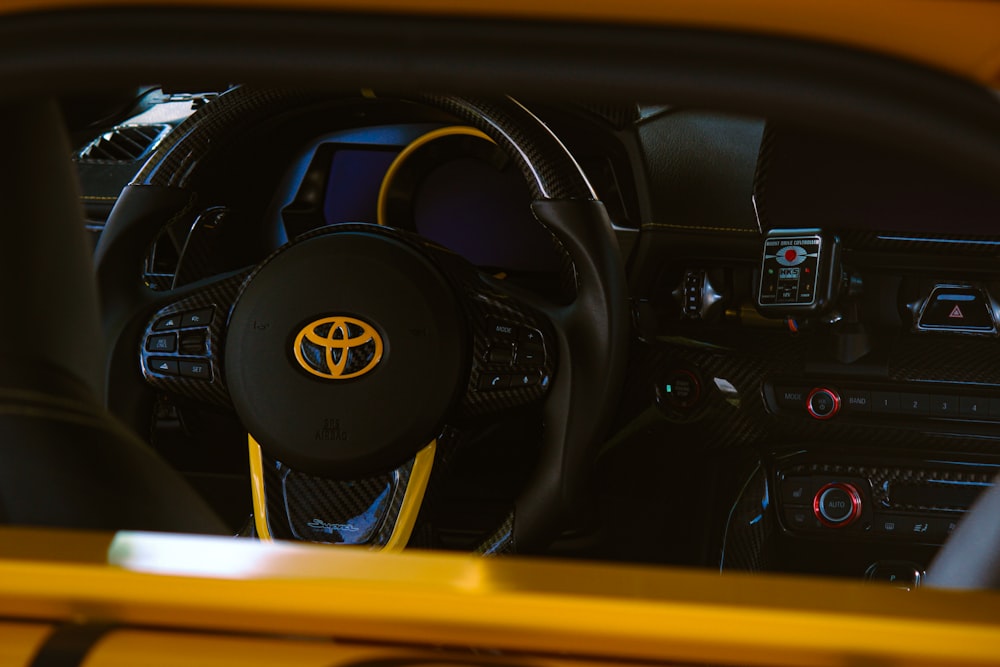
799 272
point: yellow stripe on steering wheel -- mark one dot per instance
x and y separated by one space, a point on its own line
413 497
423 463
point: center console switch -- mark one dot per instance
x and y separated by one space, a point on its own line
851 400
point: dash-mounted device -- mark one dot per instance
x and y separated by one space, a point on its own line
800 272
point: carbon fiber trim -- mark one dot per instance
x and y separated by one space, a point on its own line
177 158
550 171
501 541
218 296
315 509
884 475
750 528
548 168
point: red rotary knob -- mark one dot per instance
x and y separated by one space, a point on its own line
837 505
823 403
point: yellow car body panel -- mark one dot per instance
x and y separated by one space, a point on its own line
204 601
240 593
960 36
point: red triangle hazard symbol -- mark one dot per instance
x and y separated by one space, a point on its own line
956 312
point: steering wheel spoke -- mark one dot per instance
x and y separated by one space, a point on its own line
181 349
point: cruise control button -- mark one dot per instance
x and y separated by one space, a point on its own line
167 323
197 318
163 366
201 370
193 342
162 343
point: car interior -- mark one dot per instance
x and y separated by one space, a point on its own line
672 313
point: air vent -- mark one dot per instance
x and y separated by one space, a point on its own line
123 144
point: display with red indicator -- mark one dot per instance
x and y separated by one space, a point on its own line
799 272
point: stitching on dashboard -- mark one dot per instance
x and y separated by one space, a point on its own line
660 225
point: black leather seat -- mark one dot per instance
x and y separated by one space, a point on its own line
64 460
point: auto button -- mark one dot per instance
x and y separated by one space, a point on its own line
837 504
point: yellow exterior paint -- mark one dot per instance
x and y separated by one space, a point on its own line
20 641
226 585
962 36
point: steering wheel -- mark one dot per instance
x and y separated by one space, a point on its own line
347 351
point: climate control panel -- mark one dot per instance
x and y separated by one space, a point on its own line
914 501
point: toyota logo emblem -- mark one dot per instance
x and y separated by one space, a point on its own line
338 348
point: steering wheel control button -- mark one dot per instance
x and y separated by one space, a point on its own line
163 366
193 342
837 504
162 343
491 382
823 403
526 379
500 354
167 323
529 336
502 329
199 370
197 318
531 356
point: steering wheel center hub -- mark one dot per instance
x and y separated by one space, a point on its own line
345 351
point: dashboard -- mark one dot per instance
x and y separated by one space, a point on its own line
813 378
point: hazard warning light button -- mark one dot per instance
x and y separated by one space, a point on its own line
957 308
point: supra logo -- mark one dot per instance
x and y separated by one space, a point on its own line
338 348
